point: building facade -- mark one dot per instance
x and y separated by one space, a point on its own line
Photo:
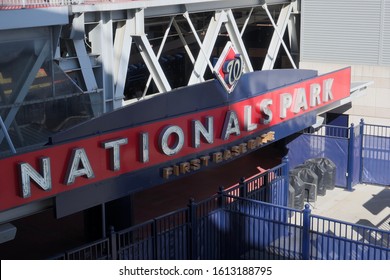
354 33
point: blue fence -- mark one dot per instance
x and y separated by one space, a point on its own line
361 153
337 240
330 142
242 223
375 154
251 220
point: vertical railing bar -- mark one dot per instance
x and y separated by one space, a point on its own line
306 232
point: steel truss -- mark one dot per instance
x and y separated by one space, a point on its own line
100 39
117 30
96 43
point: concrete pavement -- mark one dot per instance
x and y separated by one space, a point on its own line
366 205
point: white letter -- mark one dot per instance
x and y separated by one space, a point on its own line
164 136
115 160
207 132
285 103
328 95
315 92
300 101
248 125
144 147
27 172
266 111
230 125
78 156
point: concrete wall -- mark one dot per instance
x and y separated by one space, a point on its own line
374 105
340 33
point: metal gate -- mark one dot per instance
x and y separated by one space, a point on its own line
361 153
330 142
375 154
226 226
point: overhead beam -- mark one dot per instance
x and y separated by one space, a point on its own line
154 8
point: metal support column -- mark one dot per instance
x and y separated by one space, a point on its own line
292 32
122 48
78 35
107 55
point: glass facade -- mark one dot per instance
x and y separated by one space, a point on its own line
37 99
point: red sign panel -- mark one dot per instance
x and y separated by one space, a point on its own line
49 171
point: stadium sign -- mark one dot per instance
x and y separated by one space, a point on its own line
192 138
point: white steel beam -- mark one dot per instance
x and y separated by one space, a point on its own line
206 48
277 37
238 43
184 42
292 31
107 56
122 48
152 63
246 22
85 65
77 35
159 53
137 21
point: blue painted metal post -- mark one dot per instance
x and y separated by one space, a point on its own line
285 172
192 231
306 233
114 245
361 150
154 239
351 142
243 188
221 197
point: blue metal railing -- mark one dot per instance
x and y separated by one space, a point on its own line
338 240
250 220
375 154
361 152
230 226
98 250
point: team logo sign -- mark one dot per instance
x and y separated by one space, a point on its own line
229 67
